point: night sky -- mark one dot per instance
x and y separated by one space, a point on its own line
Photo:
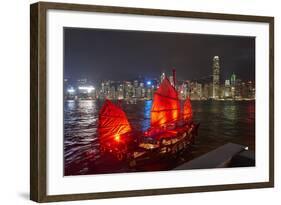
98 54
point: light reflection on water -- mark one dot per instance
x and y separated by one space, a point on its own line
220 122
146 120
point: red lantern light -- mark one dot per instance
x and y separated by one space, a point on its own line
117 138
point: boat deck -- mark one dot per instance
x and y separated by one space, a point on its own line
167 133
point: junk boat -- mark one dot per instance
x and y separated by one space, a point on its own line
171 131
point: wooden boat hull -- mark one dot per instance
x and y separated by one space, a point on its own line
167 145
182 142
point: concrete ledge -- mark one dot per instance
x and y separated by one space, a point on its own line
217 158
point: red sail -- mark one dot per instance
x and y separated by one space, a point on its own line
166 106
113 122
187 110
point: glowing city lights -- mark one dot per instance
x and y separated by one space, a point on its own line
71 90
232 88
89 89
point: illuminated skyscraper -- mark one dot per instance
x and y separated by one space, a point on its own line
233 79
120 92
216 77
227 89
196 91
136 83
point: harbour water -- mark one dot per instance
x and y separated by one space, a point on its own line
220 122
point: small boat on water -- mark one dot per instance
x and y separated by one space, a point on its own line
171 131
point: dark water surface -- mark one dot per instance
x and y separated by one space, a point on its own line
220 122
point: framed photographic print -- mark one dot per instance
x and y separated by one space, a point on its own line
134 102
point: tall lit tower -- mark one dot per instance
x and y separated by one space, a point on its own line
233 79
216 77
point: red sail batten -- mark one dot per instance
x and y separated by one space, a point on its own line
113 122
166 107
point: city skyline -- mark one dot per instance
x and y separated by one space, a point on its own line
126 55
233 88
